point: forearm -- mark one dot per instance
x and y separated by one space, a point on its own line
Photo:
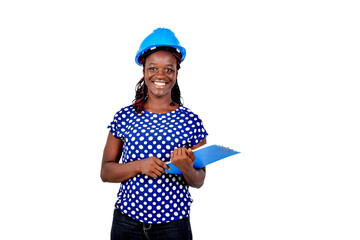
117 173
194 177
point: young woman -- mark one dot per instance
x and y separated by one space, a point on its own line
154 130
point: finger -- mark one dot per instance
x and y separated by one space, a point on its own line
159 168
175 152
159 164
182 151
185 151
179 151
157 173
153 175
166 166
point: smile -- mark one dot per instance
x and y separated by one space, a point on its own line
160 84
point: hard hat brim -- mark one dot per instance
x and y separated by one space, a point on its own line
176 47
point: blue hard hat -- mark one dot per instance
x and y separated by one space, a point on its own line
160 37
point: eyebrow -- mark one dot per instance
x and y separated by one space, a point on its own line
171 65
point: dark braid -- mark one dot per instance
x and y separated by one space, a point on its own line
142 90
176 95
140 95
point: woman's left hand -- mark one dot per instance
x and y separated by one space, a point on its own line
183 159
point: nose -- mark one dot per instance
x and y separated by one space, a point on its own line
160 75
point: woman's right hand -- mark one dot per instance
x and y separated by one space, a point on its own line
152 166
112 171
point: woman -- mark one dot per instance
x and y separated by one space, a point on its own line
155 129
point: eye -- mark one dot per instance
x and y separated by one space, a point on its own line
169 70
152 69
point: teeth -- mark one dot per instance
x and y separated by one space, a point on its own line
159 83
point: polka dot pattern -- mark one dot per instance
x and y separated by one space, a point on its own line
166 198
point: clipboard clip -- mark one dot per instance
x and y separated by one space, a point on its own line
225 148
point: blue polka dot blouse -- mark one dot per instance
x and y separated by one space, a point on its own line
166 198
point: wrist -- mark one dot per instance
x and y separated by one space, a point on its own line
187 170
138 167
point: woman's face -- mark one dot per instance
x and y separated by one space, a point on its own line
160 74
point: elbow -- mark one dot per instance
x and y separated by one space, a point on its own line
105 173
198 185
103 176
104 179
198 178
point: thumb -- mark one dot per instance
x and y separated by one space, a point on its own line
191 154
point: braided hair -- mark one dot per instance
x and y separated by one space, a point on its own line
141 88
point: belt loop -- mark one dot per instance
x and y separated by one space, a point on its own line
145 228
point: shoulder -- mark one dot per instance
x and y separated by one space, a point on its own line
190 116
127 109
193 124
185 111
125 112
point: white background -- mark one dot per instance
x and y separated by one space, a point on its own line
276 80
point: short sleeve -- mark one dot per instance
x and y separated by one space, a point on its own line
118 125
198 131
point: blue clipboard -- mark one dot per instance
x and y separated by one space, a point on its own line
205 156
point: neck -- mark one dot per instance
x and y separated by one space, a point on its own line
158 105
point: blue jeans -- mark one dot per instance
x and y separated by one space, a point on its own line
124 227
